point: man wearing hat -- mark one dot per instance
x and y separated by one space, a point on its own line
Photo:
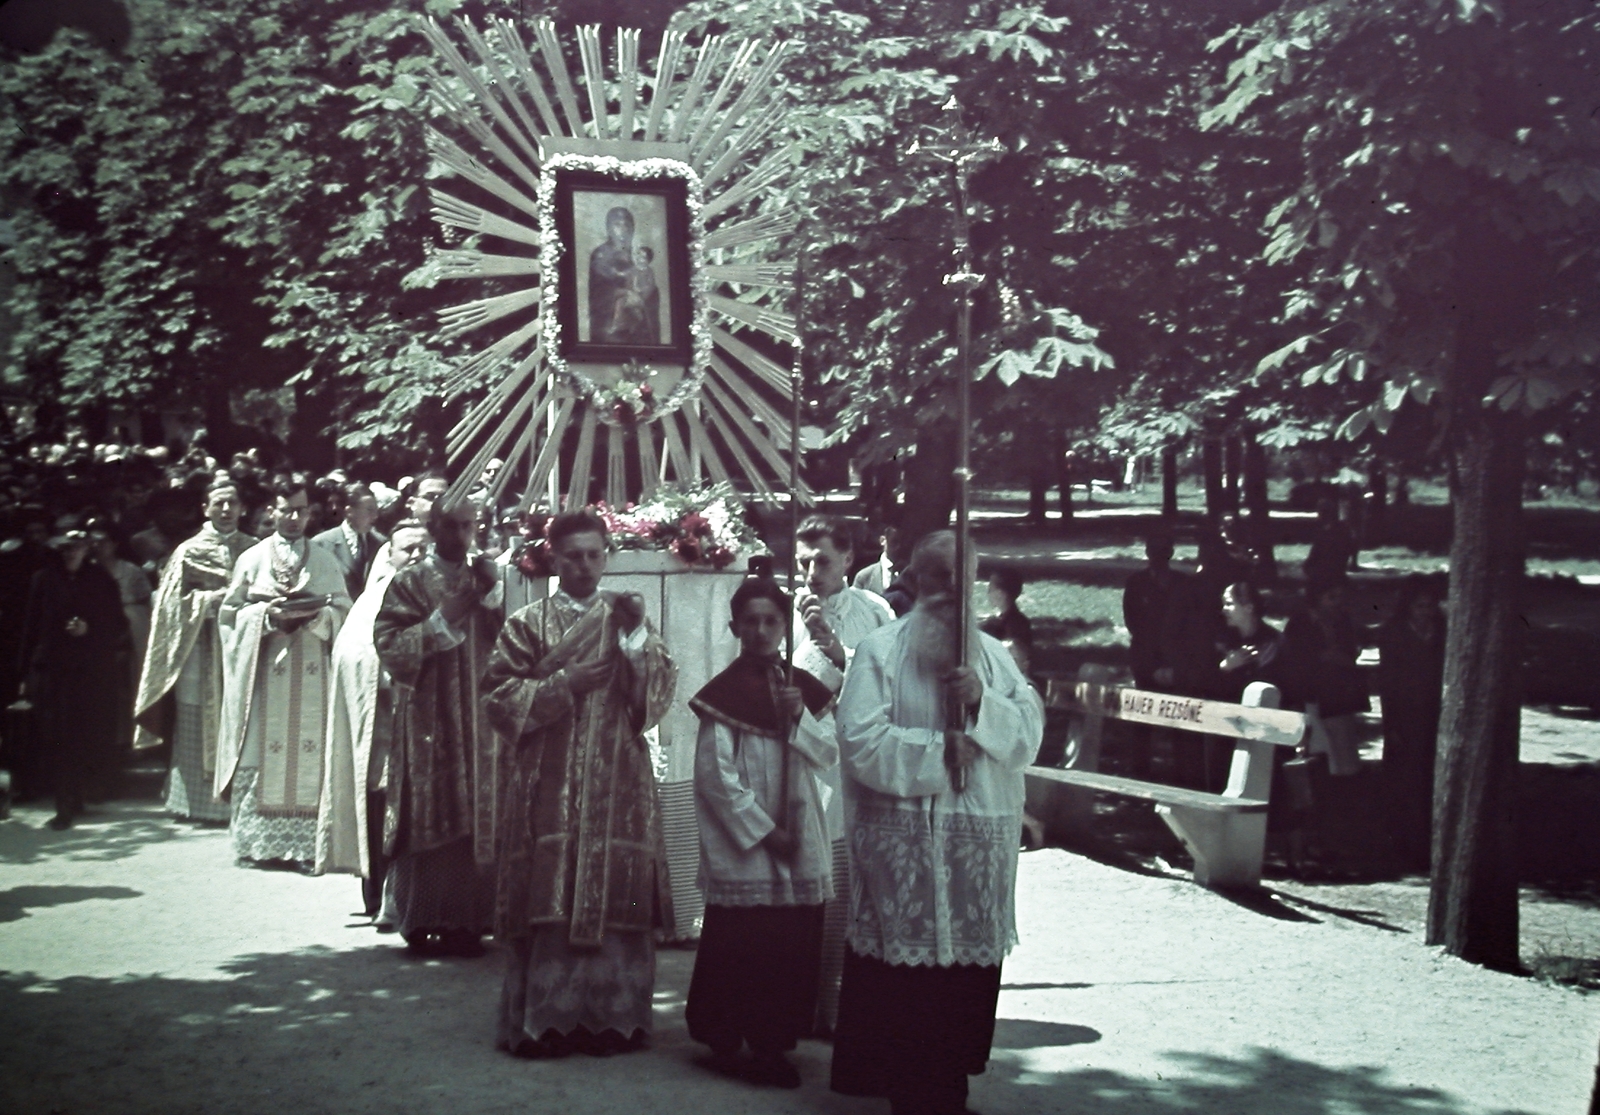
73 631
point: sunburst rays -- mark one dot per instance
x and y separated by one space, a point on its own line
714 106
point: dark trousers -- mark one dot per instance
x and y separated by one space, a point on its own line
913 1034
755 977
377 862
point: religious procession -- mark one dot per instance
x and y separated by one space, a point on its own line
792 557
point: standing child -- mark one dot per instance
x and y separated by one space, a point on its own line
765 859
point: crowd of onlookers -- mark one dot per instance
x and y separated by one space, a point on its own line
1206 634
85 531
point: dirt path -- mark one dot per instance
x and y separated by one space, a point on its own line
144 972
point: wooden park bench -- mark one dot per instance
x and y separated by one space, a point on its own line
1226 833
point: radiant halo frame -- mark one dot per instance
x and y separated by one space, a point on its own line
712 119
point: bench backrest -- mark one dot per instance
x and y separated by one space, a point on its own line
1259 720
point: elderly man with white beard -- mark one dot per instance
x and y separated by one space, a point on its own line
932 904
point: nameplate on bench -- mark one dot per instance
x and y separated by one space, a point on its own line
1166 710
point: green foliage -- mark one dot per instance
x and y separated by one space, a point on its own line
1448 158
234 203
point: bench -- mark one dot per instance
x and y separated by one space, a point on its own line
1226 833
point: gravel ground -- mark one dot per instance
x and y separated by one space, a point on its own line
143 971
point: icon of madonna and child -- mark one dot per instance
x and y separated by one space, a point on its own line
624 295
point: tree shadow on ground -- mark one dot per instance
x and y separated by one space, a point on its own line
1262 1082
368 1032
16 902
109 832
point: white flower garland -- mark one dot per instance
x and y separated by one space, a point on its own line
550 258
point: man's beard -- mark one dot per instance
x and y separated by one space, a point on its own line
932 627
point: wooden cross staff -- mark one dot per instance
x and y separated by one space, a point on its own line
961 153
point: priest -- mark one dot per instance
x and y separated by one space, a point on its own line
832 619
574 683
180 688
935 821
434 635
284 607
355 768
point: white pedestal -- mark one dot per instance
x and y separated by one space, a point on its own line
689 606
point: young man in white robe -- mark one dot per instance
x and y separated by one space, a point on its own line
765 859
179 697
284 607
935 822
832 621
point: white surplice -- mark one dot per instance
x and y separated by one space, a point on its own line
738 785
852 614
933 872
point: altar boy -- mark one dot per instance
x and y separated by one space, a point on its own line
765 859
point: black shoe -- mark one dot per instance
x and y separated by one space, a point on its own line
425 944
531 1049
463 943
772 1070
61 821
723 1063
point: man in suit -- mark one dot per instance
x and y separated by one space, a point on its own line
353 543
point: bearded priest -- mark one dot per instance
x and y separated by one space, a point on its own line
935 822
574 683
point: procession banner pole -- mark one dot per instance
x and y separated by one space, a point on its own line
960 151
794 546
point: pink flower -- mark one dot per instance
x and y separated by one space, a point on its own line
695 523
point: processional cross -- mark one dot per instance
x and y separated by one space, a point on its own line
961 153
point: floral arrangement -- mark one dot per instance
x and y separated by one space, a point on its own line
550 250
698 526
633 398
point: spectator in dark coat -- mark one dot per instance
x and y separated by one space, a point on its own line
1148 601
73 635
1333 547
1009 624
1410 686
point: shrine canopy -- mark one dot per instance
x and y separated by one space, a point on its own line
625 226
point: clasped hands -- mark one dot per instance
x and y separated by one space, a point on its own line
596 672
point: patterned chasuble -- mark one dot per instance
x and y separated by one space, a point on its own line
581 842
277 682
444 752
183 623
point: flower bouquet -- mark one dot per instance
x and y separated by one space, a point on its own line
698 526
632 399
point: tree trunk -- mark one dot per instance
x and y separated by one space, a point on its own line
1472 904
1255 480
1066 473
1169 482
1232 466
930 482
1038 492
1375 524
1211 466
